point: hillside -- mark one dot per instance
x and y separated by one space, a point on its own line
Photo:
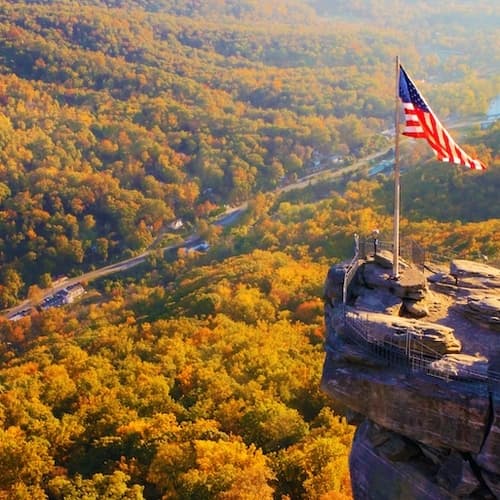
203 388
119 117
197 374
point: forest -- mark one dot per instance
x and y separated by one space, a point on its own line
114 125
196 375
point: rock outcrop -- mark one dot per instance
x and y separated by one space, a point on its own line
425 392
431 337
484 309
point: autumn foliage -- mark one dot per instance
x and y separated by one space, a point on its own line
196 375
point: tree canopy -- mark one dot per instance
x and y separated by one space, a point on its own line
197 374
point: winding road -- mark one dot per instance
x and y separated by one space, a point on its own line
226 219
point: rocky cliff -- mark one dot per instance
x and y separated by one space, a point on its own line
417 362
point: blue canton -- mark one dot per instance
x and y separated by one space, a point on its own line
409 93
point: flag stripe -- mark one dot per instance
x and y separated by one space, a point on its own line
422 123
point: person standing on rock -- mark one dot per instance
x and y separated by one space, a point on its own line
375 234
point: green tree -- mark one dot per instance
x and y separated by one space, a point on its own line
10 287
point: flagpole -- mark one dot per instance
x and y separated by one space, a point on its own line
397 189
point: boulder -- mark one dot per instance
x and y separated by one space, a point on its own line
429 338
334 282
467 269
492 481
485 305
443 282
437 413
461 366
380 300
375 477
456 476
415 308
411 283
441 277
384 259
469 274
488 457
484 309
398 449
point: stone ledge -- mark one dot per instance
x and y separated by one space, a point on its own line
434 412
375 477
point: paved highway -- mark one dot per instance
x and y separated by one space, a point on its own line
226 219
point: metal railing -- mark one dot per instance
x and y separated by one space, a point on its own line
350 272
409 250
405 350
414 354
398 349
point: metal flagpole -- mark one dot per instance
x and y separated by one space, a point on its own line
397 195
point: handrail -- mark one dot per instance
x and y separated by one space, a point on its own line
348 276
417 356
350 272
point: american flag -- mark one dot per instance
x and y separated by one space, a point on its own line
422 123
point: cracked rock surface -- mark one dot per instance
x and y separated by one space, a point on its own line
417 361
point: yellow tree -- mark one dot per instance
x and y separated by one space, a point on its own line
24 462
211 469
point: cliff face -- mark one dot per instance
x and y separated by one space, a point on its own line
417 362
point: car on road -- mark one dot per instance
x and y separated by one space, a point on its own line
20 314
199 246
